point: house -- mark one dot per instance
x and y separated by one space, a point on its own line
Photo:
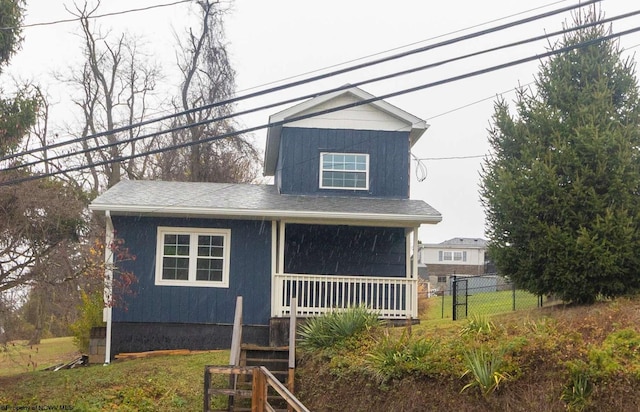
458 256
336 229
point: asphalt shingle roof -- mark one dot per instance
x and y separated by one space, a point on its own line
257 201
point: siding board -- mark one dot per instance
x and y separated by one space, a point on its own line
300 165
250 275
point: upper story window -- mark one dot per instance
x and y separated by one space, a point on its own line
192 257
344 171
452 256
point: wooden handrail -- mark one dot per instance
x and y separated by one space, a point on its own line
262 379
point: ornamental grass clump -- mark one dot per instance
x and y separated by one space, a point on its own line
336 327
395 357
486 370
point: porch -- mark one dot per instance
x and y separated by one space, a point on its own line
331 267
391 298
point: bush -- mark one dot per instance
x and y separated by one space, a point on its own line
394 358
486 368
335 327
90 316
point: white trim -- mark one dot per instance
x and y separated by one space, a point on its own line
322 170
193 248
107 312
160 210
274 265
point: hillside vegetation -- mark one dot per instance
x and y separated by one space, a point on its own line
552 359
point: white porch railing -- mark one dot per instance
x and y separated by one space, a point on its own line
392 298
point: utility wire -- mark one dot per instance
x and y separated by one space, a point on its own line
96 16
338 108
307 80
293 100
400 47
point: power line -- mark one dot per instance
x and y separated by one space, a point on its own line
338 108
96 16
401 47
293 100
303 81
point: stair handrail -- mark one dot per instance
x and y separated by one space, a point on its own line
265 377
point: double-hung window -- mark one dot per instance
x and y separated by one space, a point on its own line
192 257
457 256
344 171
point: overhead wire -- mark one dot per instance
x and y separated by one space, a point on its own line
339 108
305 81
96 16
304 97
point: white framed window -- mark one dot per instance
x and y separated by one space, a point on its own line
187 256
344 171
452 255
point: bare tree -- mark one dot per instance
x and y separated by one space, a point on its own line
207 77
116 84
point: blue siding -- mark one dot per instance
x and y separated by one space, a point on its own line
345 250
299 160
250 275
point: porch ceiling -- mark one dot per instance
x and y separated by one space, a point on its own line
246 201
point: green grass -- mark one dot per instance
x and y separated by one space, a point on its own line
490 303
18 357
167 383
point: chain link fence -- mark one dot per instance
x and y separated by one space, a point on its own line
461 296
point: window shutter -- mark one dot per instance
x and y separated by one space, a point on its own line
440 255
464 256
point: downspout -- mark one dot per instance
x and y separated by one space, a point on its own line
108 285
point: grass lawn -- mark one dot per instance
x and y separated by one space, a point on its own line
18 356
167 383
440 308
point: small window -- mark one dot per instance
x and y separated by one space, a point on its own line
457 256
442 279
447 256
344 171
192 257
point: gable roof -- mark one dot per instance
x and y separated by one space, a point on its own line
458 242
333 102
248 201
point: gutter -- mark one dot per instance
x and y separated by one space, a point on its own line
267 213
107 311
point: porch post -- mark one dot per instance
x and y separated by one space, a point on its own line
274 267
415 272
107 311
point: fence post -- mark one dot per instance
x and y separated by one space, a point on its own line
207 385
259 391
454 298
513 288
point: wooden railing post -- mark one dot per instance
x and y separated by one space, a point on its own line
259 388
207 386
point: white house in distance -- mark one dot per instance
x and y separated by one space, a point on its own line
457 256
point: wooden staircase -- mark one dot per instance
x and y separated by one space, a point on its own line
276 359
260 378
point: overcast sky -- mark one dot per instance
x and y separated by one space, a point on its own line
279 39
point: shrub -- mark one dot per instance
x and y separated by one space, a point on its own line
335 327
486 369
393 358
477 325
90 316
576 395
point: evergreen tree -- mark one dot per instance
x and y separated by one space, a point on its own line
561 187
17 113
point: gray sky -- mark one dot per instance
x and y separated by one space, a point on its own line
278 39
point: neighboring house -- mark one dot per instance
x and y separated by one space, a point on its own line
457 256
336 229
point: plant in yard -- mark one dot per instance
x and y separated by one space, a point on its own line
335 327
577 393
477 325
90 316
486 368
393 357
